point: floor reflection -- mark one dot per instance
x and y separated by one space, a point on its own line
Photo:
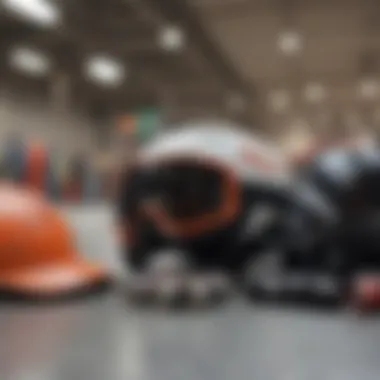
105 340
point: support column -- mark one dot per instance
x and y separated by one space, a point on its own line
5 111
60 92
166 100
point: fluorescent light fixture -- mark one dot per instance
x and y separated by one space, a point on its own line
171 38
105 71
279 101
369 88
29 61
290 43
315 93
40 12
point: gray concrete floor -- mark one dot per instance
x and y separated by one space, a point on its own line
104 339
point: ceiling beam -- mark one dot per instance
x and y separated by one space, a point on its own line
84 38
181 13
236 8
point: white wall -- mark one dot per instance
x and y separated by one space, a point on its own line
37 120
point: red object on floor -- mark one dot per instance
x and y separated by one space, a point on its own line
366 292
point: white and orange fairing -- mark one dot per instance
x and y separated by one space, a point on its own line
241 159
248 156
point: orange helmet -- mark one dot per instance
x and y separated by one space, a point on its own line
37 253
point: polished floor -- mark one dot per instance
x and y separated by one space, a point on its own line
104 339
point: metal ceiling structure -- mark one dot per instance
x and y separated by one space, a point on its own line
197 79
313 63
290 62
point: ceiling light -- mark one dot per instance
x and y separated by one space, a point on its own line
105 71
290 43
171 38
29 61
41 12
315 93
279 100
368 88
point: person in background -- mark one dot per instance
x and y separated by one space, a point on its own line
75 175
15 158
91 181
37 166
54 176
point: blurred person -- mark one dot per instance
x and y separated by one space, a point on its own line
212 196
55 175
37 168
85 172
92 182
76 169
15 158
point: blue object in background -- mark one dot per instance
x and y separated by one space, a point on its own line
15 160
91 183
53 182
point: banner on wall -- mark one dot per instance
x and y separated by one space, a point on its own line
148 124
139 127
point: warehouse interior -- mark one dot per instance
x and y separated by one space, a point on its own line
269 64
89 82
